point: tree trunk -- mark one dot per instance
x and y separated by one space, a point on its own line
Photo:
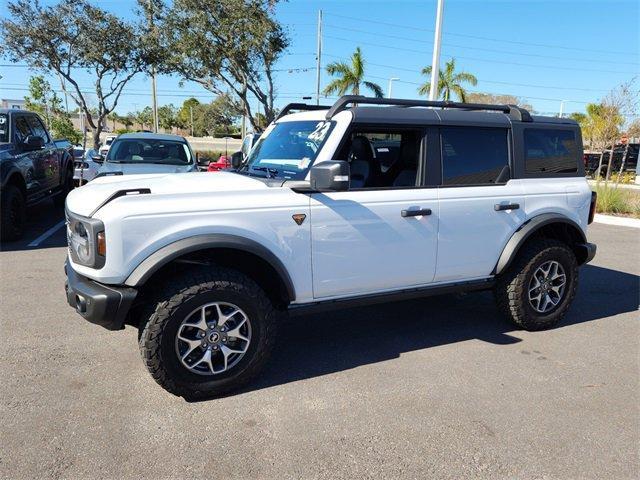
599 166
624 160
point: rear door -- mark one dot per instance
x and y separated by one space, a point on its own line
31 162
480 205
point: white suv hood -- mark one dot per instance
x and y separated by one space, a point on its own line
84 200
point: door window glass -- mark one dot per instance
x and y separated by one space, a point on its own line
474 156
550 151
37 128
22 130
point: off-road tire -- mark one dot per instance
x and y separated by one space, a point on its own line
180 295
67 186
13 212
511 290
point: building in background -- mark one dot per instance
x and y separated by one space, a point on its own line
11 103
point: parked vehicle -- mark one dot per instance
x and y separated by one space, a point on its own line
104 149
223 163
476 197
144 153
86 166
592 159
32 169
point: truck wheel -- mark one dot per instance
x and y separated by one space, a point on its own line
67 186
13 209
210 332
537 290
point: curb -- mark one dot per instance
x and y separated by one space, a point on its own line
618 221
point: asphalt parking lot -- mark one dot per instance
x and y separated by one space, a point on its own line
435 388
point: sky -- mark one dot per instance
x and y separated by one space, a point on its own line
543 51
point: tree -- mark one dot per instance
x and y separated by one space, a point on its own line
491 99
350 77
449 82
74 36
114 117
43 100
225 45
185 113
143 117
167 117
633 131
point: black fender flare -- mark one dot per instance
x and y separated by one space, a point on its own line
526 230
174 250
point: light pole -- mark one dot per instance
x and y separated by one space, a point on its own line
435 61
391 80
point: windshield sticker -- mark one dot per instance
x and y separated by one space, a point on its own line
319 133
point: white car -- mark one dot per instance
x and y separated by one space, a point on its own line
104 149
86 167
144 153
475 197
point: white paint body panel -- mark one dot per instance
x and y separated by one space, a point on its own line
361 243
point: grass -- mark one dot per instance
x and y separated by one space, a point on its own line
617 201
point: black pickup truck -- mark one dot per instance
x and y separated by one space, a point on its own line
32 169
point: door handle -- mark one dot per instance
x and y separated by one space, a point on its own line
416 213
498 207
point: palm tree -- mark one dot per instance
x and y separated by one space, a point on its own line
449 81
350 77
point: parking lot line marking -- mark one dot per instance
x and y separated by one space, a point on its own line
46 234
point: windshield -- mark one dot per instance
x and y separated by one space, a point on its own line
288 149
4 128
137 150
109 140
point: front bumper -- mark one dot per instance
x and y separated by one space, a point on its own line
104 305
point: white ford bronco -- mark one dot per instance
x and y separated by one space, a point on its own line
370 200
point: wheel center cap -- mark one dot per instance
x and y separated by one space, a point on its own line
214 337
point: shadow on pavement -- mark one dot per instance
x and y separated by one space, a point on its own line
40 218
323 344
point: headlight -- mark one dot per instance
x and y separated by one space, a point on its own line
86 239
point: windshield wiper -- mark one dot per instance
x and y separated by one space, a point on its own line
272 172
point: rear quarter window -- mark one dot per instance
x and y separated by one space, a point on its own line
550 151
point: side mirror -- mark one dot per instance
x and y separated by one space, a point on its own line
97 158
33 142
236 159
202 161
330 176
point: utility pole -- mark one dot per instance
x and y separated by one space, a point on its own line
191 115
561 108
391 80
154 95
435 61
319 57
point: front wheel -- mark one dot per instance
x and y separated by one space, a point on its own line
13 213
211 331
537 290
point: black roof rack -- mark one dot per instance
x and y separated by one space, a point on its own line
515 112
300 106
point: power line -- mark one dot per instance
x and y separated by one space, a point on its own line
378 34
413 70
378 45
477 37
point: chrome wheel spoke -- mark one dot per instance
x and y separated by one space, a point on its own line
214 347
546 287
235 332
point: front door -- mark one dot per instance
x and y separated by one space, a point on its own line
381 235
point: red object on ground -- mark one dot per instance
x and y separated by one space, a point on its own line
222 163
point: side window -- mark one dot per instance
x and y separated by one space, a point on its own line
474 156
383 158
37 128
550 151
22 130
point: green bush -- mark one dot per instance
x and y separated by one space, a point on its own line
621 201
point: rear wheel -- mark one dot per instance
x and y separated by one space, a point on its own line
210 332
537 290
13 207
